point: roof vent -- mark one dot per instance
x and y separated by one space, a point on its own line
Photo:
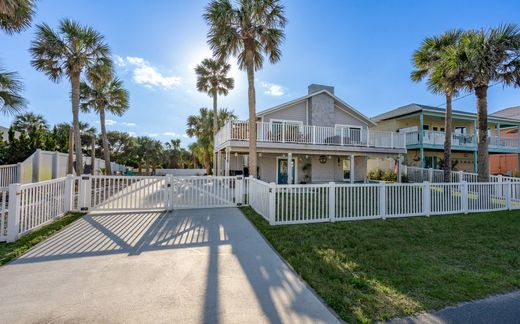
318 87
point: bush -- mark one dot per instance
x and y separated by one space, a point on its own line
382 175
375 174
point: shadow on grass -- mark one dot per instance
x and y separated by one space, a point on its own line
377 270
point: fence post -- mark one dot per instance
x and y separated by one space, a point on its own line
67 200
13 216
272 203
461 176
464 197
169 192
382 200
426 198
85 193
507 193
430 175
239 190
332 201
19 173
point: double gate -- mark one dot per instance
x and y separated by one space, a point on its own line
157 192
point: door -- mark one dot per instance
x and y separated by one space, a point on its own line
283 171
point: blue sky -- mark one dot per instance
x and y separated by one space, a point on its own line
363 48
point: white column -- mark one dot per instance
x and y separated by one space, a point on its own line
399 165
352 168
219 163
227 163
289 168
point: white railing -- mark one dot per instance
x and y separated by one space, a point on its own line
297 204
9 174
461 140
416 174
307 134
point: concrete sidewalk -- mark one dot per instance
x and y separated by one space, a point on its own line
502 309
190 266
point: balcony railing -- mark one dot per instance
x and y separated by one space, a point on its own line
307 134
461 140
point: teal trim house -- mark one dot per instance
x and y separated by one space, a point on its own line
424 131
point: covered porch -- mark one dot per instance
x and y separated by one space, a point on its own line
297 166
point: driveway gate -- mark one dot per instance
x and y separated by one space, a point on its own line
158 192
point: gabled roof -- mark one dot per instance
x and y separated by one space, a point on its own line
413 108
346 107
511 112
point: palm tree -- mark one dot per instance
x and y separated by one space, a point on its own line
174 145
29 122
104 95
248 32
69 51
430 61
487 56
11 102
16 15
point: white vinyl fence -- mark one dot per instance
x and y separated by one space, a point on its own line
416 174
297 204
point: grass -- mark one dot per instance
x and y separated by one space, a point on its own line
9 251
377 270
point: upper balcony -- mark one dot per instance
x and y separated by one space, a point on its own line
310 135
434 139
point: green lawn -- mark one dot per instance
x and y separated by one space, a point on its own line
9 251
377 270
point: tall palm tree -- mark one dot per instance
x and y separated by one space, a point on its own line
212 79
104 95
29 122
16 15
487 56
11 101
69 51
174 146
248 32
430 61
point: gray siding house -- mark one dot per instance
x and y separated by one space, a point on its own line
314 138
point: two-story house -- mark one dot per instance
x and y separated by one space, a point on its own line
424 129
314 138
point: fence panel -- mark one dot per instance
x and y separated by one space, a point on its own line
301 204
127 193
8 174
203 192
445 198
404 199
487 196
258 196
3 213
357 202
41 203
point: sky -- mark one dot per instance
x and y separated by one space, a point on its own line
362 48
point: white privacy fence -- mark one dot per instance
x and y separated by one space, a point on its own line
297 204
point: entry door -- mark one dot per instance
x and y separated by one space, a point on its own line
283 171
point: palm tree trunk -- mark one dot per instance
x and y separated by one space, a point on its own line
75 121
252 108
104 138
215 129
482 151
447 139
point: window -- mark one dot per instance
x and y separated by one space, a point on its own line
346 169
351 134
426 127
461 130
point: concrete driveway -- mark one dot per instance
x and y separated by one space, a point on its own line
192 266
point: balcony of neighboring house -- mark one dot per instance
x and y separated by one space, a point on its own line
297 134
459 141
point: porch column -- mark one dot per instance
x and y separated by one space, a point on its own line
422 157
475 162
352 162
219 163
289 168
498 133
399 165
227 162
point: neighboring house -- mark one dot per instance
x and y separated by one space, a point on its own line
5 133
506 163
323 137
424 129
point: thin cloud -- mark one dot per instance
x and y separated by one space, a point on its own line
108 122
272 89
128 124
172 134
145 74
